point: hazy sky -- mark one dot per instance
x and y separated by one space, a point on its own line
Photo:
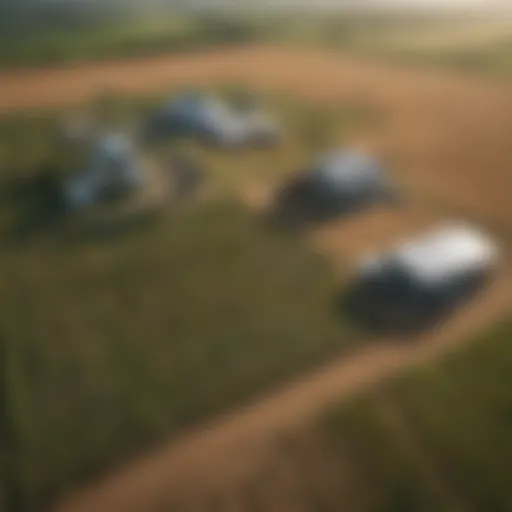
443 3
490 3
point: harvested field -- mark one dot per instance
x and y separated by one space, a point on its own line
468 34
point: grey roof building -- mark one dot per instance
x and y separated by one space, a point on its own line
346 173
210 119
113 168
341 181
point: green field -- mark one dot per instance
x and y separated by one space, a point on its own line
112 345
433 438
111 342
437 438
481 46
129 38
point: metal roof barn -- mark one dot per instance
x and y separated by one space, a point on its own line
346 180
113 167
208 117
438 257
339 182
199 110
425 278
349 171
447 253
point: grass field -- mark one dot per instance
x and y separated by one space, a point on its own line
111 343
130 38
434 438
438 438
102 340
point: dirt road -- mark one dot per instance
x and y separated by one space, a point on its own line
230 448
313 72
450 141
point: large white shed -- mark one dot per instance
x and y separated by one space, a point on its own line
428 274
446 254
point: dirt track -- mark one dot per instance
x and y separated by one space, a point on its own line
450 140
232 447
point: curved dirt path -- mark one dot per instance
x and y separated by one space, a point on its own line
451 140
227 450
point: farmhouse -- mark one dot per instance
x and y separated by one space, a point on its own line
113 169
210 119
424 277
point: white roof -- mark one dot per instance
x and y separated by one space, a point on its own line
447 252
347 168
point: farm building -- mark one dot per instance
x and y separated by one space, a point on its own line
210 119
340 181
427 276
113 169
346 176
